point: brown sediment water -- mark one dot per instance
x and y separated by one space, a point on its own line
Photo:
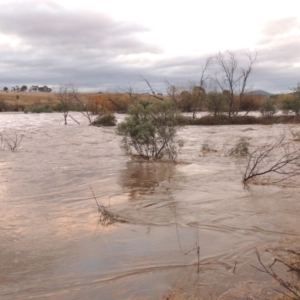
53 247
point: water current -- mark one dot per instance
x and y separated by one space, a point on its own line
52 245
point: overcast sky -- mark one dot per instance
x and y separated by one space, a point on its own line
106 45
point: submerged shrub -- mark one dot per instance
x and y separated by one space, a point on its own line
150 130
208 147
241 148
107 119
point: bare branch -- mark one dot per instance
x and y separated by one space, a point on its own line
280 157
285 284
11 142
152 90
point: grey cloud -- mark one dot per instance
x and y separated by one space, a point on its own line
84 48
60 28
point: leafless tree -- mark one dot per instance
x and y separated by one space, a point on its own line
12 142
173 92
199 92
234 79
279 156
65 97
69 98
77 98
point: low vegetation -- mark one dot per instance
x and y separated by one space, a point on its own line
105 119
241 148
150 130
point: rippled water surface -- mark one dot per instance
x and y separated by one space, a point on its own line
52 245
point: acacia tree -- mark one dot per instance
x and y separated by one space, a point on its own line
234 79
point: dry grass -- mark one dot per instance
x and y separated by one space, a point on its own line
97 101
28 99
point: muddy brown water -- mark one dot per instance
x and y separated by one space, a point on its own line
53 247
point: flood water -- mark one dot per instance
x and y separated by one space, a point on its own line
52 245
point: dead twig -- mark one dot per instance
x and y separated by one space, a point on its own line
107 218
289 286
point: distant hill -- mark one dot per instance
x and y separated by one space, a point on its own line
260 92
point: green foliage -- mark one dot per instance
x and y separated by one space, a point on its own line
39 109
268 108
60 107
150 130
216 103
106 119
292 104
3 105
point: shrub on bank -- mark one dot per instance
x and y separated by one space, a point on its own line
220 120
39 109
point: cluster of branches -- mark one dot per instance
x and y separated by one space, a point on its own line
280 157
11 142
232 81
221 75
291 287
106 217
68 96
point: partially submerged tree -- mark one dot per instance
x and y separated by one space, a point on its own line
12 142
71 99
65 97
279 157
150 130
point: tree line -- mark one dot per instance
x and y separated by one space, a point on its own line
33 88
